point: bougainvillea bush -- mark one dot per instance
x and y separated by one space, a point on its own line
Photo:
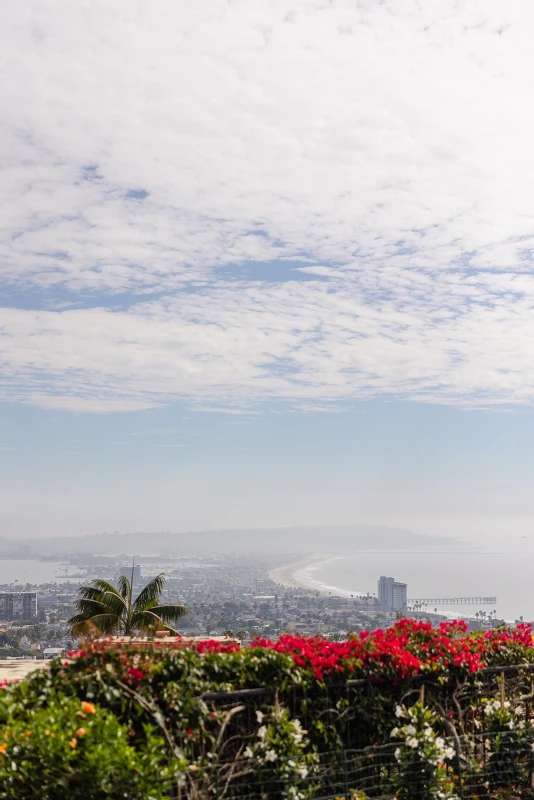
262 716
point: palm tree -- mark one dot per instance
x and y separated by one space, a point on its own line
111 610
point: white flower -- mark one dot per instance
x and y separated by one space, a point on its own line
449 753
271 755
507 704
518 710
290 763
398 711
412 742
394 732
521 724
302 771
259 716
398 752
511 725
440 742
248 753
262 732
410 730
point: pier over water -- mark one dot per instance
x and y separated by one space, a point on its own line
453 601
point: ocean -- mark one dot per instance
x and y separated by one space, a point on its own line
441 574
25 570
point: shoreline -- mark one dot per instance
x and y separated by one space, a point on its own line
299 575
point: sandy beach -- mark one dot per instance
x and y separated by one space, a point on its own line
300 575
285 575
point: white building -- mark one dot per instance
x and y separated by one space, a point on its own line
400 596
385 593
392 595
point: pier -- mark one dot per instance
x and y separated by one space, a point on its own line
453 601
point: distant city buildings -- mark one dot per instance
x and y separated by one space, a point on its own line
392 595
18 604
126 572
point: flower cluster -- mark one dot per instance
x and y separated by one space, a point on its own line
422 755
282 746
407 648
403 650
504 730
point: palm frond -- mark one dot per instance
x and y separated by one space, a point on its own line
77 624
123 586
107 623
113 602
90 607
150 593
98 586
90 592
81 623
144 620
169 612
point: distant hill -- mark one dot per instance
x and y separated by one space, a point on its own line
302 539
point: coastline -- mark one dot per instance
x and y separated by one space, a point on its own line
299 575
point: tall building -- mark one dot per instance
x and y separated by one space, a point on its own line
18 604
385 593
400 596
392 595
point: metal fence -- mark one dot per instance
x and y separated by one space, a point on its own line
365 764
373 772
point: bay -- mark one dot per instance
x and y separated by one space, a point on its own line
439 574
19 571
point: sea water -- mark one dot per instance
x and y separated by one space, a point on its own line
438 574
19 571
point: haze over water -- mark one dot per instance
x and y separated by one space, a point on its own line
441 574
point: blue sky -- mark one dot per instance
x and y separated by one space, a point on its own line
268 265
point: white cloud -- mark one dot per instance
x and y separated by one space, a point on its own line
388 145
432 338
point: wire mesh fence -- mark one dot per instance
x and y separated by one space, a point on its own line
488 762
374 772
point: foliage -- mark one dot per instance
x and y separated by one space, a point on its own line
75 749
306 700
109 609
422 755
505 731
281 746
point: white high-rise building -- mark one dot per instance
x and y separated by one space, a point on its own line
400 596
385 593
392 595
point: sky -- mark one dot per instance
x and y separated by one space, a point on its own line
266 263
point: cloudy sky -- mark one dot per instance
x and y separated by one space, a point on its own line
266 263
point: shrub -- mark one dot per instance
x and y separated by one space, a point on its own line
422 756
72 749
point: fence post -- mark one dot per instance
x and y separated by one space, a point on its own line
459 769
503 686
345 775
422 694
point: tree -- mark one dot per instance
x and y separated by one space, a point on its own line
111 609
